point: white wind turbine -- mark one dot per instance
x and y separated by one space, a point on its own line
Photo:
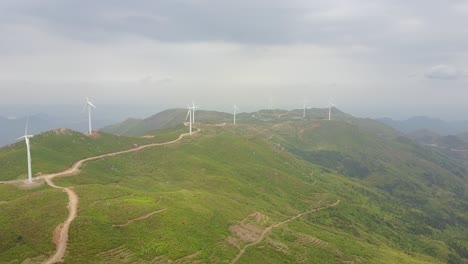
330 106
304 110
189 115
26 139
89 105
193 110
235 108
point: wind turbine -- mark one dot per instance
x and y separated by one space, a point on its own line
304 110
193 109
235 109
89 105
26 139
189 115
330 105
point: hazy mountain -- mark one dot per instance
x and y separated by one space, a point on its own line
165 119
432 124
173 117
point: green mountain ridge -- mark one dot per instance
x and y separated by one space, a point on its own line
173 117
250 191
166 119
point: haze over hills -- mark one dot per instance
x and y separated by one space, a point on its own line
275 188
172 117
13 128
427 123
45 118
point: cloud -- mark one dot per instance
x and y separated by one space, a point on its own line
245 48
151 80
443 72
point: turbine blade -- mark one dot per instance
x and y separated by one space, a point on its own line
26 129
188 113
91 104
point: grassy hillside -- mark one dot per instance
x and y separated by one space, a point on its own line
430 184
57 150
281 192
27 220
164 120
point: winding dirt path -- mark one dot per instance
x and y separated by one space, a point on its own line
268 229
62 229
141 217
60 236
73 197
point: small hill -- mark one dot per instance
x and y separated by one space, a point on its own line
163 120
58 149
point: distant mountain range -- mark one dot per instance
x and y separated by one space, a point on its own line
427 123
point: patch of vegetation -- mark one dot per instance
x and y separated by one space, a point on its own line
27 222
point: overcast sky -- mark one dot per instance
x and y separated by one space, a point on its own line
392 58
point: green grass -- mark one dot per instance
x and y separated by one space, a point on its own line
27 221
210 182
54 152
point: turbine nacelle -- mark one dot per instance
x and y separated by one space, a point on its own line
194 106
88 103
25 136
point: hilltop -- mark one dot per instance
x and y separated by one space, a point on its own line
174 117
272 189
57 149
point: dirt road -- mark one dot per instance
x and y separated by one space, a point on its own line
268 229
73 197
62 229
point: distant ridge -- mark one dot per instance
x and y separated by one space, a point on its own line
436 125
174 117
165 119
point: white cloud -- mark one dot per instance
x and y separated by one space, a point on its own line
248 48
410 24
461 8
443 72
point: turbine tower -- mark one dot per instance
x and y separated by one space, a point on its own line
26 139
89 105
235 108
330 105
304 110
193 110
189 115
